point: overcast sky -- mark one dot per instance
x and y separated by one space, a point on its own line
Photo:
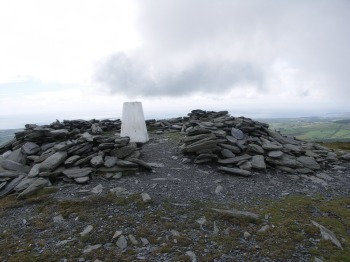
84 58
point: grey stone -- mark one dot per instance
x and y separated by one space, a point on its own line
86 230
328 235
87 137
309 162
218 189
311 153
10 174
232 148
132 239
144 241
96 161
234 160
106 146
122 141
324 176
200 145
96 129
58 133
85 160
121 242
146 197
215 229
275 154
97 189
14 166
231 139
292 148
141 163
2 185
119 191
76 172
38 184
192 256
235 171
10 186
45 155
58 219
236 133
345 157
63 242
118 175
117 234
30 148
125 150
52 162
258 162
25 183
227 153
285 160
82 180
255 149
237 213
245 165
110 161
34 171
47 146
316 180
263 228
246 235
271 146
90 248
17 156
70 160
125 163
117 169
63 146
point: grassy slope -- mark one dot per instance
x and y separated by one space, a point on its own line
312 130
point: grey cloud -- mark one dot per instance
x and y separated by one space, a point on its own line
128 76
214 46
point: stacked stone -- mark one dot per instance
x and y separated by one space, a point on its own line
41 155
240 145
58 131
171 124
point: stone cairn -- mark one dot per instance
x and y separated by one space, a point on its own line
239 145
76 150
73 151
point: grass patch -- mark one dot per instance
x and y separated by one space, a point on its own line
336 145
292 217
173 136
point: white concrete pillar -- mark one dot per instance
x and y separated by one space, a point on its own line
133 122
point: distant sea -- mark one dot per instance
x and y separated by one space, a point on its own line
7 134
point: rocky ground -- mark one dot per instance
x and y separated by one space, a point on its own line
182 211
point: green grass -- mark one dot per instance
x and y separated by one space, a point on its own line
292 217
313 130
337 145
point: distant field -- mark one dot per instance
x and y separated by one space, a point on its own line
313 129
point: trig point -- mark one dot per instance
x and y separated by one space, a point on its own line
133 122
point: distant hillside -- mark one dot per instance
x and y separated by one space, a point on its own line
313 128
344 121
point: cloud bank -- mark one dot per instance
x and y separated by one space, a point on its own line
297 48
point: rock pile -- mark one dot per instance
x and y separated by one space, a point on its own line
239 144
72 151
